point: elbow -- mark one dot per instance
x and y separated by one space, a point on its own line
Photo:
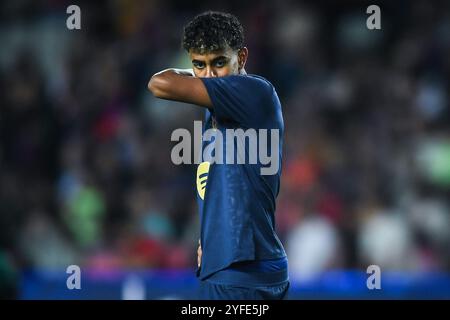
153 86
157 85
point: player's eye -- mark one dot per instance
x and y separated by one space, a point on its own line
221 63
198 64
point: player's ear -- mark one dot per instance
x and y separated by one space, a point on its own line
242 57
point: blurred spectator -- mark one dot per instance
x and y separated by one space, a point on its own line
312 248
385 240
44 245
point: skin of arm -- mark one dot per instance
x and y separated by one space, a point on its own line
179 85
199 254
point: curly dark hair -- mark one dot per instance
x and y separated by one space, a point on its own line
211 31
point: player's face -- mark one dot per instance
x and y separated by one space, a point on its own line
219 63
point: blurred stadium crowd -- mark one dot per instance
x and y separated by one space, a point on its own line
85 170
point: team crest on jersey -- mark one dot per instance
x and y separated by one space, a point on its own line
202 178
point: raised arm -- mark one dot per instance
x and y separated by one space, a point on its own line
179 85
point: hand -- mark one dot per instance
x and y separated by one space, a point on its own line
199 254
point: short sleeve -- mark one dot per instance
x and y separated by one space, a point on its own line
246 100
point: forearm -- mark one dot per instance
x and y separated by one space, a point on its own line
179 85
161 80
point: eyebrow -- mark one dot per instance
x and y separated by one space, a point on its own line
213 61
197 61
220 58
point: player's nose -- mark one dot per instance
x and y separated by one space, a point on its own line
210 73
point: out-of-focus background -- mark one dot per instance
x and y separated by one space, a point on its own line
85 172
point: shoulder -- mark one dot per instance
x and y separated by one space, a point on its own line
252 84
254 81
260 80
243 81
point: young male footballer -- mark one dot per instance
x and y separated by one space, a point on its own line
239 254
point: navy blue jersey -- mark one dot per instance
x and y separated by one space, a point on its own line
236 202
